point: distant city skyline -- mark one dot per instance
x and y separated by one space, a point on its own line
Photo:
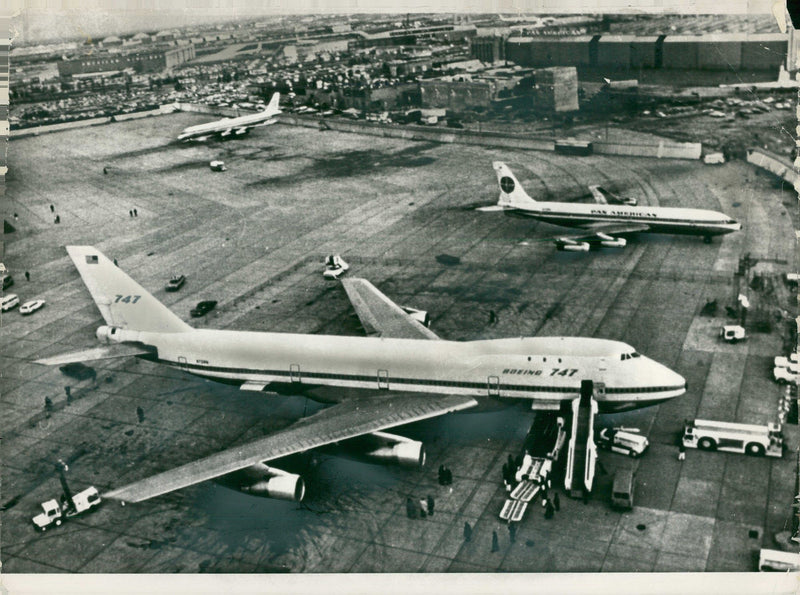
34 25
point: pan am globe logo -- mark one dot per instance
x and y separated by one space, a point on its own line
507 184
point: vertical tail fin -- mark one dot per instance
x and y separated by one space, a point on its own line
121 300
272 106
511 192
599 195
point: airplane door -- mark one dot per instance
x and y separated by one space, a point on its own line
493 384
383 379
602 366
182 361
294 373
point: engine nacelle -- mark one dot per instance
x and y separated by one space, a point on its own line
115 334
614 243
268 482
573 247
397 449
407 454
282 487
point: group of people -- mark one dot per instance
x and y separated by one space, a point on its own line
133 213
510 468
551 505
420 508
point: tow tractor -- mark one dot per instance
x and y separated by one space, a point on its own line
53 512
732 333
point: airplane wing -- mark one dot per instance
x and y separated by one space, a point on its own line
340 422
615 228
380 316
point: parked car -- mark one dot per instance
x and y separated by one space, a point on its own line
335 267
8 302
626 441
31 307
787 375
8 281
203 308
175 283
785 362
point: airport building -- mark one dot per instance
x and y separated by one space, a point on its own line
154 60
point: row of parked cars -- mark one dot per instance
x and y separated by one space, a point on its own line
786 370
11 300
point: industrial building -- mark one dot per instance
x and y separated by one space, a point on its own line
488 48
153 60
730 51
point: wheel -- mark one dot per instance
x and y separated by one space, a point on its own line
782 381
632 454
707 444
43 529
58 523
755 449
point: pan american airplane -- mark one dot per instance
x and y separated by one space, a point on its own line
400 374
233 127
601 223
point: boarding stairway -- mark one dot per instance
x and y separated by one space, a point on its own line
581 453
542 447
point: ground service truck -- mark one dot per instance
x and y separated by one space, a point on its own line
733 437
54 513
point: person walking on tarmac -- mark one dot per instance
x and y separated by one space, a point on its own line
549 510
681 452
467 532
556 502
495 542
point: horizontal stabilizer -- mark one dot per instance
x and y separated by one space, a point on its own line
95 353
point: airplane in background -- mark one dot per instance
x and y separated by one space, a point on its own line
400 374
603 222
233 126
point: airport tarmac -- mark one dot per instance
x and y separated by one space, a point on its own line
402 214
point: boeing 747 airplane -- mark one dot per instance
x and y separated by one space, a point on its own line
603 222
233 126
400 374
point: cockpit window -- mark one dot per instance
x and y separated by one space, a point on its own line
634 354
626 356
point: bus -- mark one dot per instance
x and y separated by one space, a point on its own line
750 439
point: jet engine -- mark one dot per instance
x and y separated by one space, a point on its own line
267 482
614 243
572 246
380 447
611 242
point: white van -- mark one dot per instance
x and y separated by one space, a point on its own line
9 301
622 491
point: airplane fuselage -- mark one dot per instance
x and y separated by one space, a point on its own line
544 371
658 219
227 125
